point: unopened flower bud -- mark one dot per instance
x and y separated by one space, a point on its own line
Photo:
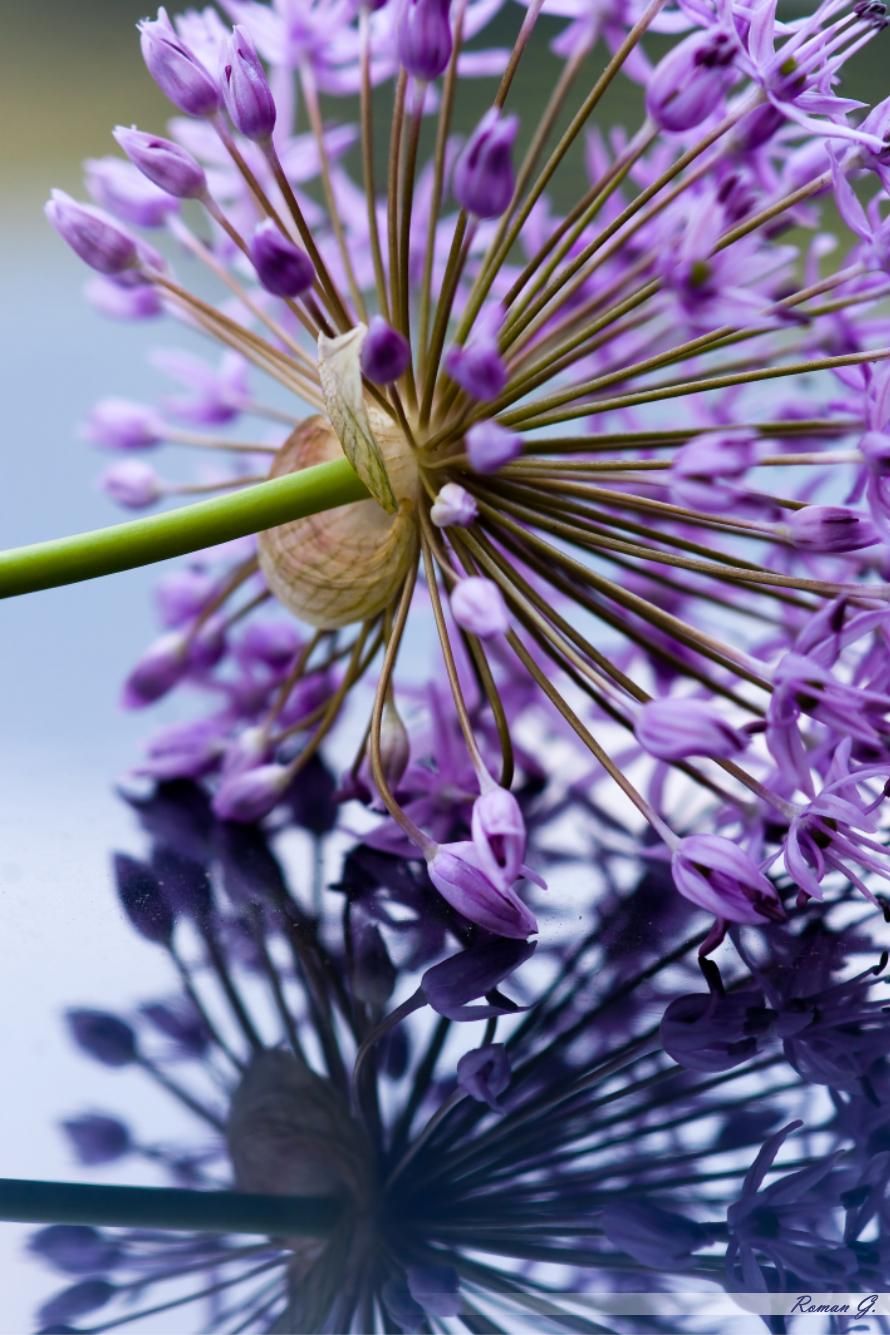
483 174
689 83
72 1303
453 984
652 1235
831 528
143 900
91 234
161 667
717 875
490 445
75 1249
102 1036
424 38
385 353
484 1073
395 745
479 369
479 607
703 471
499 834
97 1138
123 301
282 267
246 90
121 424
167 165
674 729
455 872
249 795
182 594
132 483
453 505
118 187
177 71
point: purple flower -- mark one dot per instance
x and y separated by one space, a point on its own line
499 835
251 794
143 900
703 473
181 1023
831 528
385 353
455 871
118 187
712 1032
246 90
76 1249
483 174
480 371
722 878
97 1138
424 38
167 165
490 446
177 71
689 83
103 1036
478 606
77 1301
484 1073
282 267
160 668
450 986
121 424
652 1235
132 483
453 505
92 235
673 729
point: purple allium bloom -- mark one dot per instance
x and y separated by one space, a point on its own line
484 1073
478 606
831 528
98 1138
282 267
456 872
143 900
673 729
166 164
121 424
424 37
689 83
245 88
652 1235
250 794
499 834
490 446
717 875
103 1036
160 668
385 353
75 1249
451 986
453 505
480 371
132 483
92 235
79 1300
123 191
483 174
177 71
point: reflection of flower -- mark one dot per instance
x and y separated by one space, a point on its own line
506 1129
699 591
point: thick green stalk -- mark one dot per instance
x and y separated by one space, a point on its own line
46 565
28 1202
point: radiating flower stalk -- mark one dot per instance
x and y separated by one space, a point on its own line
623 426
499 1165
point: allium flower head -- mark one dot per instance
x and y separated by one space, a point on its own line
621 452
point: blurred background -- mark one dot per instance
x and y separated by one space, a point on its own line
71 72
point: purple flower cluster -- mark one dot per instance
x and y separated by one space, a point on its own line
631 458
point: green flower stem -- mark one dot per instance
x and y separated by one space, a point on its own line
46 565
23 1201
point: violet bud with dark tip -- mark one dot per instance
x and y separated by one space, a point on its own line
91 234
177 71
436 1288
717 875
674 729
162 665
75 1249
77 1301
282 267
453 505
455 871
489 446
479 369
483 180
120 424
132 483
499 835
143 900
167 165
452 984
249 795
424 38
97 1138
484 1073
478 606
831 528
385 353
688 84
245 88
102 1036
